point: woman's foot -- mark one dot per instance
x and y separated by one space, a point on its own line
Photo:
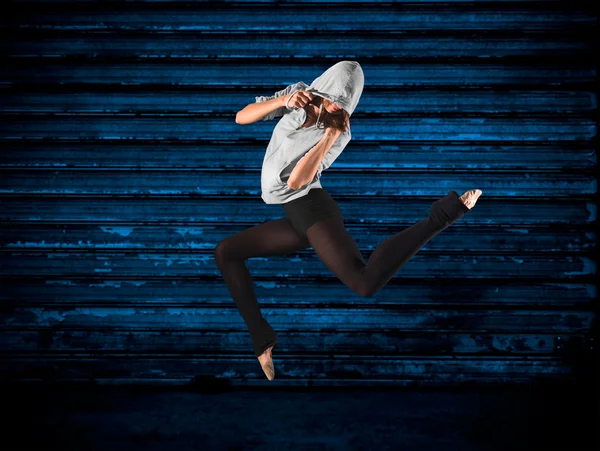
447 210
266 362
470 197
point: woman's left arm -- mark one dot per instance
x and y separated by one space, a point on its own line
306 168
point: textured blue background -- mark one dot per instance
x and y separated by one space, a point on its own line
122 167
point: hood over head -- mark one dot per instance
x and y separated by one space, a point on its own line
342 83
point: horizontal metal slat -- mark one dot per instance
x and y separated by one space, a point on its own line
200 238
533 71
186 17
466 129
180 156
31 44
496 209
375 343
155 292
133 182
244 370
291 318
187 264
227 103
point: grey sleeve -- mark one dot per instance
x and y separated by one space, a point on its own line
281 111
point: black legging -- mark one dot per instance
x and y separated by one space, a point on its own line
336 249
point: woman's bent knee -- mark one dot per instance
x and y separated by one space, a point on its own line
363 289
222 253
368 292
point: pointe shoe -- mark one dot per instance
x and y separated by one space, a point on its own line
470 197
266 362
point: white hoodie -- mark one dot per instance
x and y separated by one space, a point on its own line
343 84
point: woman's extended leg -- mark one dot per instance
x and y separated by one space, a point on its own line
339 252
276 237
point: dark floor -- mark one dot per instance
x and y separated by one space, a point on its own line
112 418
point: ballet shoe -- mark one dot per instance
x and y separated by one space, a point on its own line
470 197
267 363
448 209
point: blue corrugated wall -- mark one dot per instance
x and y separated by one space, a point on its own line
123 167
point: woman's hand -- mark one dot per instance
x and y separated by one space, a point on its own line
299 99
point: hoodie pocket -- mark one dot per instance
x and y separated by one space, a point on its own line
278 177
276 169
283 168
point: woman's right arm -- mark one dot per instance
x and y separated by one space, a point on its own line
256 111
269 107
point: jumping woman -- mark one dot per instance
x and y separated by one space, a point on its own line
313 131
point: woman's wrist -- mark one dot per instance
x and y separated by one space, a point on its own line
287 101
